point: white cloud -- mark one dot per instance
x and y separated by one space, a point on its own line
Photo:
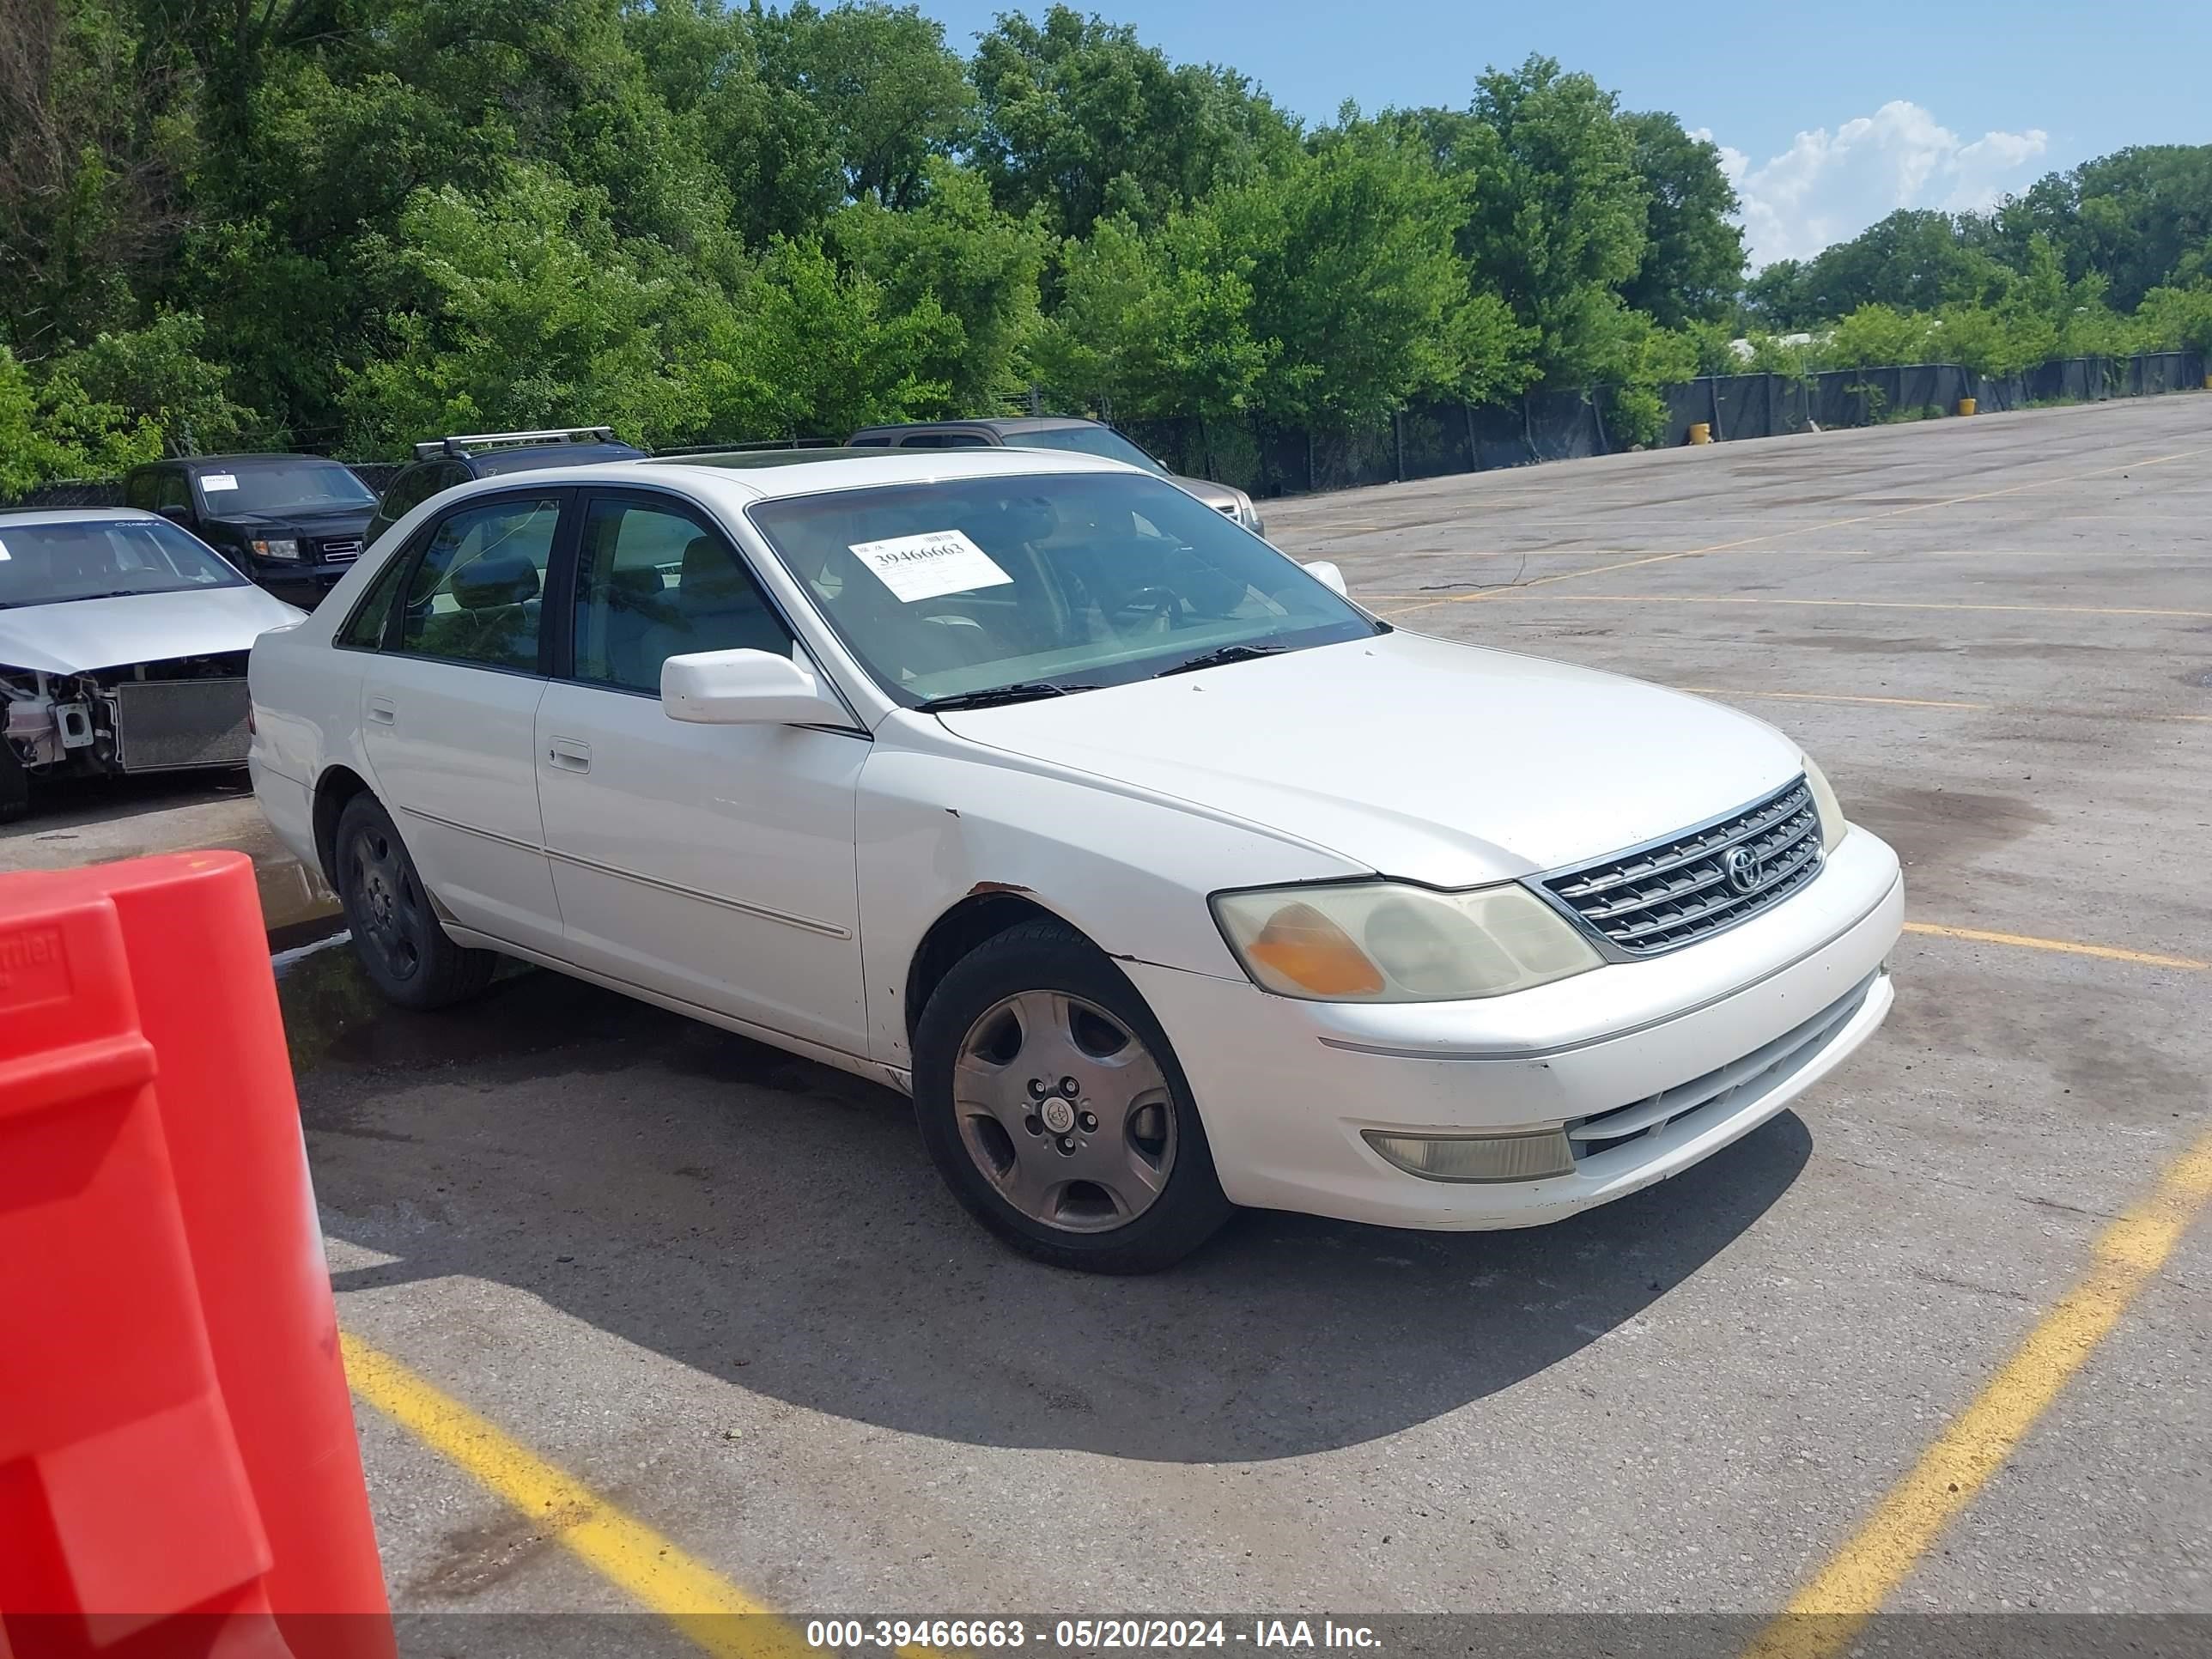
1828 186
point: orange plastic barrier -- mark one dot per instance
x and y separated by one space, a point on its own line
177 1467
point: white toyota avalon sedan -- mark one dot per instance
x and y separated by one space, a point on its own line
1162 876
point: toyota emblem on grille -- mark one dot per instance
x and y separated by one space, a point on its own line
1744 874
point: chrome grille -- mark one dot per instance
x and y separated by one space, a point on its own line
1765 1067
341 552
1674 892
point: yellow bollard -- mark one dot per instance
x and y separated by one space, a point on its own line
1966 405
1701 432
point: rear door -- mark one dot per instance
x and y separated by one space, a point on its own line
713 863
449 707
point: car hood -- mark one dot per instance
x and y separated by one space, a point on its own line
1412 757
305 521
1215 496
78 635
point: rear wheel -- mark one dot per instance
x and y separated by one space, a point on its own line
396 937
1055 1109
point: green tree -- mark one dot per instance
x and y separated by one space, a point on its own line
1355 275
1556 222
523 311
980 266
888 94
1080 118
2131 217
1693 262
1914 260
1156 323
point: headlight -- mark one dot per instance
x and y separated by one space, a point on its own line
284 548
1386 942
1824 801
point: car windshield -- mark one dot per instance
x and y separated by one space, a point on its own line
53 564
306 486
1043 584
1086 441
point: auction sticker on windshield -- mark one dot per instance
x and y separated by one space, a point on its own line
214 481
929 566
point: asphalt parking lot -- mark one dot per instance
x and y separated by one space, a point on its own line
723 1291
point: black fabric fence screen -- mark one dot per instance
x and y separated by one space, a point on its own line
1429 440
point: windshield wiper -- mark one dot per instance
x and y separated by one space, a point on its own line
1020 691
1218 656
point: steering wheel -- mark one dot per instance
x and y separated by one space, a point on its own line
1165 604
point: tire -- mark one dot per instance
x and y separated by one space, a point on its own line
15 784
395 935
1119 1179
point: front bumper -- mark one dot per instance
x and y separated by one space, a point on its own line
1286 1088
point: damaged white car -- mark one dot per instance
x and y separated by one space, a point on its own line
123 648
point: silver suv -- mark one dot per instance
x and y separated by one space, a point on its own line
1055 432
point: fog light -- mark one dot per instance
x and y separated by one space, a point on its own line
1477 1158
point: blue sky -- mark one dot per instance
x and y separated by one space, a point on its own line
1831 115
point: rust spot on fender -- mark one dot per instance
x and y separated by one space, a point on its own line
982 887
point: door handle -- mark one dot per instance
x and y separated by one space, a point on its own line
382 711
569 755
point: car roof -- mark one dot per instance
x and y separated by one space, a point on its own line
739 479
236 463
529 457
15 516
987 424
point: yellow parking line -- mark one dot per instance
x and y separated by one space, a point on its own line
1803 530
1830 696
619 1547
1936 702
2068 947
1884 604
1823 1618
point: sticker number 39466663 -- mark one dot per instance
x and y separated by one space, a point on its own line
927 566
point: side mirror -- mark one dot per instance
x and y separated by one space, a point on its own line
176 515
747 688
1325 572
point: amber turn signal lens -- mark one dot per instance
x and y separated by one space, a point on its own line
1311 951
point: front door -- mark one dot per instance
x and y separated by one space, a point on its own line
713 863
448 715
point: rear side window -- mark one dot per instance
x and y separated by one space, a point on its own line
477 593
364 629
946 441
414 486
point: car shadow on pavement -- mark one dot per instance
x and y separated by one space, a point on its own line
775 1224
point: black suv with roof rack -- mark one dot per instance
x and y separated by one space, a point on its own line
441 463
294 524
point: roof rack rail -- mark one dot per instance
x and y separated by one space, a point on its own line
464 443
756 443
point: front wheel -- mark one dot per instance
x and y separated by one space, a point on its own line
1055 1109
15 784
395 935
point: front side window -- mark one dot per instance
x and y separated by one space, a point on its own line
171 489
654 583
301 486
946 441
54 563
477 593
1091 578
